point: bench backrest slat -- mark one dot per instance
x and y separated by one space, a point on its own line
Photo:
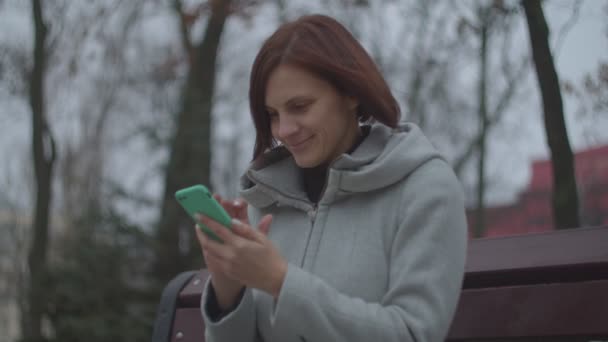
559 256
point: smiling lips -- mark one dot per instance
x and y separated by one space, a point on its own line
300 144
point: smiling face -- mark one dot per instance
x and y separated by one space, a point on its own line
309 116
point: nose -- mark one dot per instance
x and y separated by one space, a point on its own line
286 127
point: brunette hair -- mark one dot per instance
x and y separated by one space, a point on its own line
323 46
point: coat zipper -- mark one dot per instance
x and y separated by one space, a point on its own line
312 215
312 212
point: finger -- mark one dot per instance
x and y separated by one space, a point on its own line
241 210
230 208
215 249
244 230
199 235
251 233
225 204
203 239
218 229
204 220
264 225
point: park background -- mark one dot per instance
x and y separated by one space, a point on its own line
107 107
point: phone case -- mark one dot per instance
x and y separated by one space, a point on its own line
198 199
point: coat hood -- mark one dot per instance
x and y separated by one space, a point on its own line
385 157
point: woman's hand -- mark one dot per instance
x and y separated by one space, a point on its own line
247 255
226 289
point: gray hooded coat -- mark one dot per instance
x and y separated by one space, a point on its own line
380 258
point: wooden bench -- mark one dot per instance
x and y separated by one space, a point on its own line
536 287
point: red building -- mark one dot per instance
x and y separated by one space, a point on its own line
532 210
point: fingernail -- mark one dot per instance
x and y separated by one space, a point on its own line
237 222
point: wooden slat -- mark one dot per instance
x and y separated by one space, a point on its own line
188 326
190 296
559 256
561 247
550 310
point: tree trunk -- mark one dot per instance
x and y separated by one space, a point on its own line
483 124
44 154
565 197
190 151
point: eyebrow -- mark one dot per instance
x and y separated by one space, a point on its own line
296 98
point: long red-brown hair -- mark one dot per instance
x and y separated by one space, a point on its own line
323 46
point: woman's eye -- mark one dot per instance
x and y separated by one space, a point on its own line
300 107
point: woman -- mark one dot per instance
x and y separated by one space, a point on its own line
361 231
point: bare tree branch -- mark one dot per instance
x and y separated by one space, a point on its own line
563 32
184 26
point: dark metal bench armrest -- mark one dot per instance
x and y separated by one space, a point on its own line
168 305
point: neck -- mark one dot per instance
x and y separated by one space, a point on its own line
353 139
356 141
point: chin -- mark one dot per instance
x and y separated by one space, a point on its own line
306 162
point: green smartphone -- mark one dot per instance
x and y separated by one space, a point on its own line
198 200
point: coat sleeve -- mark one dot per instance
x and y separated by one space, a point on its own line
237 325
426 267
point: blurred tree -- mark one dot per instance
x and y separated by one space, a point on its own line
596 86
94 292
44 154
282 10
591 95
190 147
565 196
14 228
491 20
83 166
97 283
485 15
91 71
422 67
439 42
